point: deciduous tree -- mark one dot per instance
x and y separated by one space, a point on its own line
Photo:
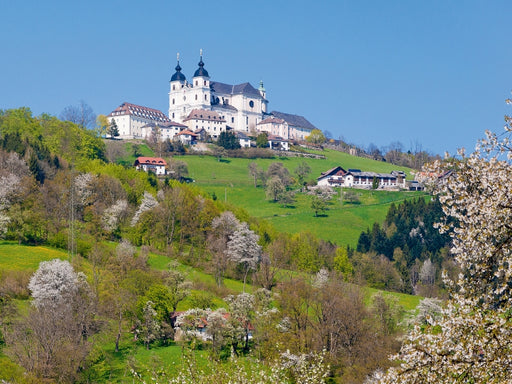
316 137
243 249
471 341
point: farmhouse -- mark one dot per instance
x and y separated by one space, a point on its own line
355 178
151 164
278 143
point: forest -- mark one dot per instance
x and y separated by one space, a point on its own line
302 311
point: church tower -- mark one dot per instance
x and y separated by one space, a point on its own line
177 94
201 85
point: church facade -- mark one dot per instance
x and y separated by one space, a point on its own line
241 106
210 107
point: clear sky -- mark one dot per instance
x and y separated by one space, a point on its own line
433 75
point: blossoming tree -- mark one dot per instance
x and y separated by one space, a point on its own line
471 340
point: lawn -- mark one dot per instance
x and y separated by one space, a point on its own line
21 258
342 223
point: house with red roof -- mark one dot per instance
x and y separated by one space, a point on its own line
187 137
157 165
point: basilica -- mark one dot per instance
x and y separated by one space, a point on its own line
202 105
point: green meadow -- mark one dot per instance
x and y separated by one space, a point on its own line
342 223
22 258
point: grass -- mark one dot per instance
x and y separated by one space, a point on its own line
21 257
408 302
342 223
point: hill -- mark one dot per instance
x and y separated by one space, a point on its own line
229 180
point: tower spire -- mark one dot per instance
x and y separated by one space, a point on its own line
201 71
178 75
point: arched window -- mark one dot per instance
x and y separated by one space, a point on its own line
196 97
173 101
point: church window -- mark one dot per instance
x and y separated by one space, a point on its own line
205 82
196 97
205 97
251 104
196 82
232 119
184 97
173 101
174 87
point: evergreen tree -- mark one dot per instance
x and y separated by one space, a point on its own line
228 140
112 129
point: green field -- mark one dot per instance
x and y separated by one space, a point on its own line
22 258
230 181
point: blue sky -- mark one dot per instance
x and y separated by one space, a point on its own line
432 75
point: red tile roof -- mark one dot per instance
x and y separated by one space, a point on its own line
187 132
150 161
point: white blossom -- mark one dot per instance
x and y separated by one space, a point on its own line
53 282
112 215
470 341
148 202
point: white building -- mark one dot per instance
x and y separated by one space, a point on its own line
242 106
355 178
131 120
164 130
153 164
287 126
205 119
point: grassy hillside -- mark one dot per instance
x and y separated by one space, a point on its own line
230 181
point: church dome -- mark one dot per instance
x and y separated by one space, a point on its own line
201 71
178 76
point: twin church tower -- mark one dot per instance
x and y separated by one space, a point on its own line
241 106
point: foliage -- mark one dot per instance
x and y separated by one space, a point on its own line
51 340
46 137
262 140
54 282
112 130
471 340
316 137
81 114
228 140
407 235
243 249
